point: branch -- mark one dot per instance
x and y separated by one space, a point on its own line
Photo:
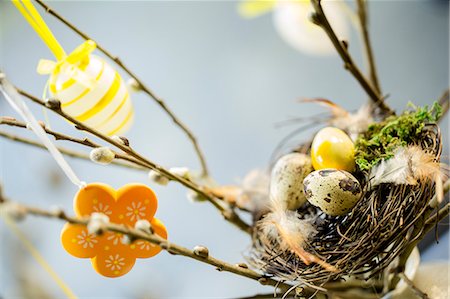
67 152
363 19
58 136
141 85
132 156
267 296
321 20
434 202
413 287
436 218
170 247
444 102
82 141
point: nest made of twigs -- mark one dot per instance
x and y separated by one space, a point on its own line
362 243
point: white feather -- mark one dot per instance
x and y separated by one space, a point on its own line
408 166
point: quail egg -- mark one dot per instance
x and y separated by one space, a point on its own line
334 191
286 181
333 148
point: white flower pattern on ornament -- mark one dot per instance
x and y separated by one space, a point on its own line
143 245
100 208
136 211
87 240
115 262
115 238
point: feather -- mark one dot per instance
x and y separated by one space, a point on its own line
285 228
352 123
251 195
409 166
336 110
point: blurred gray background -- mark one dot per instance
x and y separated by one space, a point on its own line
230 80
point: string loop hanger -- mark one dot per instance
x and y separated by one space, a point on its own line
15 100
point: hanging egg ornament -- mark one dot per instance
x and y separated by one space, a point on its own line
333 148
334 191
90 90
286 180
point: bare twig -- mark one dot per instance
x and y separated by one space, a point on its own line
413 287
58 136
82 141
141 85
133 156
363 20
434 201
67 152
267 296
321 20
440 215
444 101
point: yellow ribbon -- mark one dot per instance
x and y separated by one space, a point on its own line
70 64
67 64
33 17
255 8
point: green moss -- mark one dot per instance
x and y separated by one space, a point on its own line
381 139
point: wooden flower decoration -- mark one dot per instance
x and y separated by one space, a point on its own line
109 256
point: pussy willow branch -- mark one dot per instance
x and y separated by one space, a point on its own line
320 19
228 213
175 249
136 164
64 151
58 136
141 85
363 20
82 141
170 247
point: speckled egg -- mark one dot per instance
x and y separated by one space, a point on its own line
286 181
334 191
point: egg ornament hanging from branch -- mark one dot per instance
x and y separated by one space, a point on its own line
89 89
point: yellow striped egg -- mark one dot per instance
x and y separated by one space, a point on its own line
104 105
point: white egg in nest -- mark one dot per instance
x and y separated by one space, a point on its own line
286 181
334 191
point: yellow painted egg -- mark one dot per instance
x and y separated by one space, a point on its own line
104 103
333 148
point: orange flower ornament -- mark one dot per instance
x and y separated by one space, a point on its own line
129 204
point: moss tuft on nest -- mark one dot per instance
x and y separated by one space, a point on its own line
381 139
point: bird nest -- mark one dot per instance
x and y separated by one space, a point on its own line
362 243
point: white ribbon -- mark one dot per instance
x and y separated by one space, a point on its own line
15 100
